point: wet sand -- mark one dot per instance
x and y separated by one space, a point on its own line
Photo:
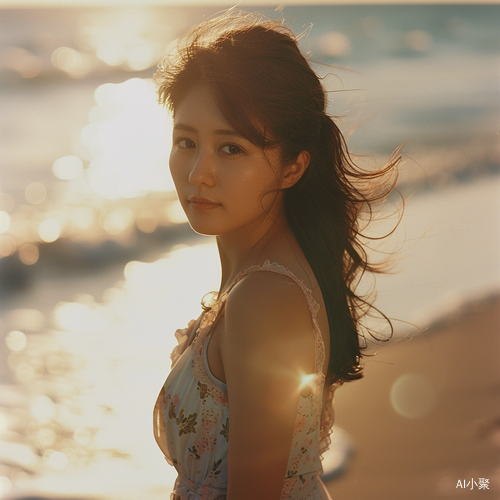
396 457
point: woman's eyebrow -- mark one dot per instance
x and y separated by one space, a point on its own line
182 126
188 128
228 132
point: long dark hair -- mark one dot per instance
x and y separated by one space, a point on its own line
267 91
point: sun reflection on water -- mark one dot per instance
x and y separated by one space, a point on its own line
79 417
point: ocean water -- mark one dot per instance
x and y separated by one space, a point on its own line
97 273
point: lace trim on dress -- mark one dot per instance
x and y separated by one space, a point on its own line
327 416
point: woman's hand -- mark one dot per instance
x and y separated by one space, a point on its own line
267 346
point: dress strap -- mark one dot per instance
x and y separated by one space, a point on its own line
277 268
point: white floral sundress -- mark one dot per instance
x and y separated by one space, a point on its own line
192 422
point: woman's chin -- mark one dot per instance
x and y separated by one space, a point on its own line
203 229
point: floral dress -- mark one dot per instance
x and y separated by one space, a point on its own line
192 422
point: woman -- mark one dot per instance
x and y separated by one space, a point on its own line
247 408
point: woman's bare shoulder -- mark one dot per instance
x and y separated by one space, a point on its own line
266 302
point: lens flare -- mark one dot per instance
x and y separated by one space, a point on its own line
413 395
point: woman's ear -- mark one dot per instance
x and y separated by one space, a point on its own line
295 170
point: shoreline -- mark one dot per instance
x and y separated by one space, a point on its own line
455 437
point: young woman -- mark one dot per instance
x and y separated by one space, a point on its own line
247 408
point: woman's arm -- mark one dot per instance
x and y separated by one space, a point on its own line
267 345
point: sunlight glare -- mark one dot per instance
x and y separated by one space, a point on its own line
129 139
78 317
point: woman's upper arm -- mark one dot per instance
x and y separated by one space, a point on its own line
267 346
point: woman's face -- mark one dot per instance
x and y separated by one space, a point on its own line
224 182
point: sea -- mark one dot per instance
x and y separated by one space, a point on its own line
98 266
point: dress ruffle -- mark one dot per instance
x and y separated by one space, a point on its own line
327 417
182 335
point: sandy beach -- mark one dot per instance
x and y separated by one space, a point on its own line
398 457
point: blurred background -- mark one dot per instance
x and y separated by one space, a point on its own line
98 266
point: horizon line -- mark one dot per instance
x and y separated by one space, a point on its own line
26 4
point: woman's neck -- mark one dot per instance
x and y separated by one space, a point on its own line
250 246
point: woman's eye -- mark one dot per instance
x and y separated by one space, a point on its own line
184 143
231 149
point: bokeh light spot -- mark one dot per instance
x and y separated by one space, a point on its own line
112 53
72 316
67 167
142 57
35 193
15 340
28 254
412 395
50 230
43 409
418 40
118 220
56 459
66 58
146 221
334 44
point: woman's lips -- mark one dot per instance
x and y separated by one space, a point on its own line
203 204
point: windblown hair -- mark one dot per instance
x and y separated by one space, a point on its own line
268 92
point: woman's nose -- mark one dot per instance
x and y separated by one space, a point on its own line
202 169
